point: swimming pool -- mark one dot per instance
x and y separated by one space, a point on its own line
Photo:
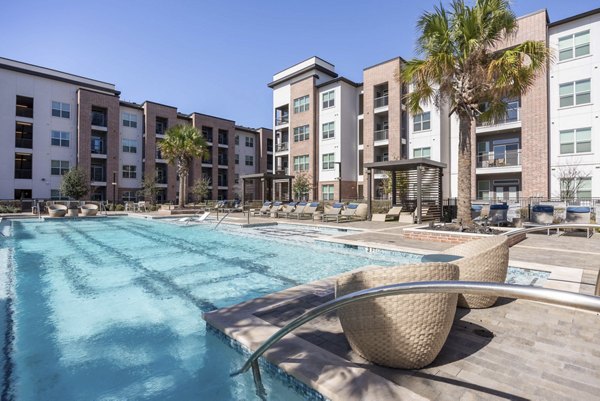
110 309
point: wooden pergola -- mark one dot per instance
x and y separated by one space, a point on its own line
267 184
415 182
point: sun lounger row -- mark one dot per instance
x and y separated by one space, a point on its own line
337 212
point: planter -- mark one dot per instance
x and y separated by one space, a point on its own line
72 212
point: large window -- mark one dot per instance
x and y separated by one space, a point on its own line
59 167
422 152
249 142
55 194
576 141
328 130
128 196
328 159
249 160
327 192
483 190
328 99
59 138
24 106
301 133
237 158
23 135
580 188
129 171
129 146
129 120
575 93
422 122
301 163
572 46
301 104
61 109
23 165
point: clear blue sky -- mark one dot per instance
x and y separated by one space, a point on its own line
216 57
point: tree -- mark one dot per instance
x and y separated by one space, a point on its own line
182 143
200 188
571 180
301 185
75 183
463 69
149 187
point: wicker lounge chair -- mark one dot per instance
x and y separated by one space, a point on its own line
580 214
89 209
289 208
541 215
486 260
404 331
333 212
391 215
57 210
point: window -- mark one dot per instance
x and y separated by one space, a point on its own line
301 133
422 152
61 109
129 146
22 194
237 139
422 122
59 167
59 138
55 194
328 159
580 188
207 133
23 135
249 142
129 120
327 192
249 160
576 141
328 99
99 116
575 93
328 130
223 137
24 106
129 171
237 159
573 46
483 190
23 165
301 104
128 196
236 178
301 163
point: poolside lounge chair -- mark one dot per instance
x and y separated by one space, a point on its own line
196 218
391 215
580 214
57 210
264 210
277 206
299 209
309 211
354 212
486 260
89 209
289 208
541 215
332 212
498 214
406 217
405 331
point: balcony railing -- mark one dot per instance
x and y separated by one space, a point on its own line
222 161
513 115
98 119
381 101
282 120
508 158
381 135
284 170
98 147
282 147
23 173
97 174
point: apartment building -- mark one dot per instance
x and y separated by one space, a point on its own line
62 120
253 155
575 104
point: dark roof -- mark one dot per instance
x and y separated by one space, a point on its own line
343 79
574 17
160 104
406 164
131 104
247 129
302 71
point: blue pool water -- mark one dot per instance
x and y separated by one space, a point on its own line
110 309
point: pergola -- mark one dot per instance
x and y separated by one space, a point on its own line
415 183
267 184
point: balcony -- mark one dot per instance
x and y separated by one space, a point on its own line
158 154
23 173
222 161
510 121
282 120
381 101
98 119
380 135
98 146
282 147
97 174
282 170
503 159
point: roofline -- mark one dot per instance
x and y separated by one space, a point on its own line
208 115
302 71
384 62
129 104
292 66
338 79
541 10
247 129
97 91
60 79
158 104
404 162
574 17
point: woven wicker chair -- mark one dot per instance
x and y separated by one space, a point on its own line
403 331
89 209
57 210
482 260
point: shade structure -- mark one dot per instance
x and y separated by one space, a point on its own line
416 186
265 183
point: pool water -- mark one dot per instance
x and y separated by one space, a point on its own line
110 309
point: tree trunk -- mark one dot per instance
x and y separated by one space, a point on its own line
464 169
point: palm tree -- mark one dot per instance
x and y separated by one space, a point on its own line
182 143
462 68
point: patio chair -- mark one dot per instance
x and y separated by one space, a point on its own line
130 206
264 210
403 331
332 212
391 215
141 205
486 260
309 212
541 215
498 214
299 209
406 217
57 210
89 209
354 212
277 206
580 215
289 208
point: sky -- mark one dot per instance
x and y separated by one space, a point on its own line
217 57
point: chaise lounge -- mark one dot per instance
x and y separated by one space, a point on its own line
57 210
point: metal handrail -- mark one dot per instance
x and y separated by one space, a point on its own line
556 297
551 227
